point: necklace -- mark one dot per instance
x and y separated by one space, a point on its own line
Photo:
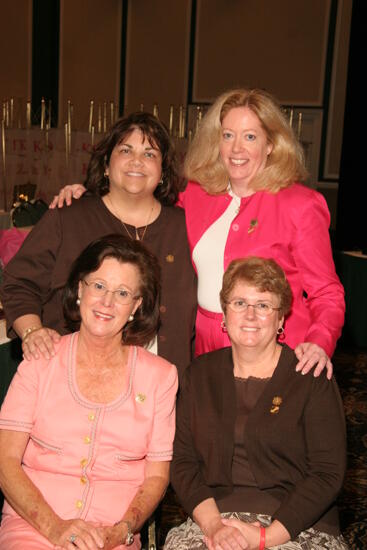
236 199
137 237
237 202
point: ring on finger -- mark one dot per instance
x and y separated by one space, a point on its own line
72 538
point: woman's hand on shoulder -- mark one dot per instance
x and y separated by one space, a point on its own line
66 194
40 343
76 533
311 355
225 537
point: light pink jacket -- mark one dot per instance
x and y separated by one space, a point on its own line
87 459
291 227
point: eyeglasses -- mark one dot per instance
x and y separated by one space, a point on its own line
98 290
261 309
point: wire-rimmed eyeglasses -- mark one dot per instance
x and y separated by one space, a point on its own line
121 295
262 309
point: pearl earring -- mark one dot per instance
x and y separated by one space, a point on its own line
131 317
78 302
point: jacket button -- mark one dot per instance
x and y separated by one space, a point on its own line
235 227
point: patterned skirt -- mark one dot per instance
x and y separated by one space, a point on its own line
188 536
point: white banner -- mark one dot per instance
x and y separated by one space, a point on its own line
39 157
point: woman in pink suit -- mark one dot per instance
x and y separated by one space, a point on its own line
86 436
242 199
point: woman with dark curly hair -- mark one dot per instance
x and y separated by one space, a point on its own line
86 436
132 185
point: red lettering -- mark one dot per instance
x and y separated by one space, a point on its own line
46 170
19 144
86 147
36 147
20 169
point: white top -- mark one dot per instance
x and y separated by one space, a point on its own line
3 337
208 257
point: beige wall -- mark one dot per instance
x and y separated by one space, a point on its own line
90 44
276 44
279 46
157 54
16 53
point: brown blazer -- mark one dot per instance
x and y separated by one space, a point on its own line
297 454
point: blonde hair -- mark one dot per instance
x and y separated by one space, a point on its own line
285 164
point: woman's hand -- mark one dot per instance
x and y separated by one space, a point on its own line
66 194
225 537
76 533
250 531
40 342
113 535
311 355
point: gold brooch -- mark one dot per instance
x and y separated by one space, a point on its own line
140 398
277 401
170 258
253 224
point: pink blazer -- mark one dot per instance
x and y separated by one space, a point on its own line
291 227
88 459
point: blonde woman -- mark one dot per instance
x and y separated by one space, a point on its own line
242 200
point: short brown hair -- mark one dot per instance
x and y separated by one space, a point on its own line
158 136
285 164
144 327
263 274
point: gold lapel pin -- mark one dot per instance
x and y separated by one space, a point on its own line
170 258
140 398
277 401
253 224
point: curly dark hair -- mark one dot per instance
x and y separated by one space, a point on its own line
144 327
158 136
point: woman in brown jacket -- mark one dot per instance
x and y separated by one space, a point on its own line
132 184
259 452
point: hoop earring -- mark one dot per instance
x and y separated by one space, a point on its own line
280 333
223 326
